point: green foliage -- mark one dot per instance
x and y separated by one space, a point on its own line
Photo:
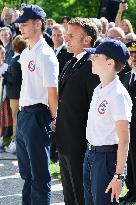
131 13
55 170
72 8
83 8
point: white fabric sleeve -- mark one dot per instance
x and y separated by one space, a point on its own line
50 70
121 107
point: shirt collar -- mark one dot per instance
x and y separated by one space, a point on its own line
37 44
132 71
59 48
80 55
108 87
16 54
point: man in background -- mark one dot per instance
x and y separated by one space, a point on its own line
76 85
60 47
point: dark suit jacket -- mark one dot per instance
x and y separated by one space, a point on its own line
48 39
63 57
123 72
75 94
131 161
13 79
132 92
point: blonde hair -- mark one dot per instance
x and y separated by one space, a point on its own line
58 27
8 30
130 28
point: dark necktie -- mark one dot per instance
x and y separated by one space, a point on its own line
69 68
55 50
132 80
73 60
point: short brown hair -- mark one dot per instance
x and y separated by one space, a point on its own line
58 27
117 65
19 44
88 26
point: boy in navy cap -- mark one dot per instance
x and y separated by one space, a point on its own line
107 127
31 12
130 84
38 104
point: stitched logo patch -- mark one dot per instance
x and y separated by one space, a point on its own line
31 66
102 107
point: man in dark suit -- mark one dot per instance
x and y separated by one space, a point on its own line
130 84
60 48
76 85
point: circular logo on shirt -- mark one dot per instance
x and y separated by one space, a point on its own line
31 66
102 107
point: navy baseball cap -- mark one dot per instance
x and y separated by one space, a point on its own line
112 48
31 12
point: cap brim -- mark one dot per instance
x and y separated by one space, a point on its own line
21 19
90 50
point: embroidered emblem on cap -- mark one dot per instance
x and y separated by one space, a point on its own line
31 66
132 47
102 107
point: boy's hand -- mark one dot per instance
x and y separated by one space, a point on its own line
116 188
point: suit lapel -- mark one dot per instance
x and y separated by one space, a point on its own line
75 68
63 71
62 49
133 87
126 80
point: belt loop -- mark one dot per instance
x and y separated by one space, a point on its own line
89 146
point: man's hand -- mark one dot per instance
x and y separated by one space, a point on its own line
54 125
53 102
116 188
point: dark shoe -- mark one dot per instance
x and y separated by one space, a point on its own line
2 150
126 197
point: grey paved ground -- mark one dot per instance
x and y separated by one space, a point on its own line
11 183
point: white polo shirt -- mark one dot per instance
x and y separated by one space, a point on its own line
109 104
40 70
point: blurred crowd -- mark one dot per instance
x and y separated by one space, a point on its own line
12 44
55 34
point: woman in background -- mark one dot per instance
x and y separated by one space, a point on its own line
13 81
4 120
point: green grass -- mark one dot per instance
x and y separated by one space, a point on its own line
55 173
55 170
124 191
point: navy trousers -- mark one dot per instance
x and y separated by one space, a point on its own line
33 152
98 171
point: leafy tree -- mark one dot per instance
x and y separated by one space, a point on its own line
59 8
131 13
